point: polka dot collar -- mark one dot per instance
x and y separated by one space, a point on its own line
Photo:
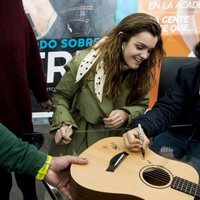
100 75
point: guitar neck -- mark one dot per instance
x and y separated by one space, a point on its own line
186 186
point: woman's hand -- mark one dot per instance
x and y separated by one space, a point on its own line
116 119
62 135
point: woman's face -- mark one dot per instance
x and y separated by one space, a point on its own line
138 48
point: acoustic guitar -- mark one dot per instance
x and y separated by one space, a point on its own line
115 173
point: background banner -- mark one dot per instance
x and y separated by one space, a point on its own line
63 27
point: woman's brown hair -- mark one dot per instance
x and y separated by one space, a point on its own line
111 53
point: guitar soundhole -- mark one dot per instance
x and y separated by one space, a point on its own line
156 176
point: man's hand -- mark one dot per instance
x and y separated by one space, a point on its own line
46 106
132 141
58 174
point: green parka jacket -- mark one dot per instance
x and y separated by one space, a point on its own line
75 103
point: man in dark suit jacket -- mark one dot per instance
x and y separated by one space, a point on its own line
182 100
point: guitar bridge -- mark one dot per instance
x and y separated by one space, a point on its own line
116 160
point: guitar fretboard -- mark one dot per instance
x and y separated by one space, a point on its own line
186 186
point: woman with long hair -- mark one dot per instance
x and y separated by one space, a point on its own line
106 86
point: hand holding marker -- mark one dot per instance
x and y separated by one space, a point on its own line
67 131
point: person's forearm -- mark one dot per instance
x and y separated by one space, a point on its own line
19 156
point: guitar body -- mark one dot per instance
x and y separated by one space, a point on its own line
130 178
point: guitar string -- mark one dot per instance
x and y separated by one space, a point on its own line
159 176
156 174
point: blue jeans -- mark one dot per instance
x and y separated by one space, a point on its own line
81 18
175 146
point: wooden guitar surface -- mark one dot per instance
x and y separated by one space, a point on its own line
115 173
